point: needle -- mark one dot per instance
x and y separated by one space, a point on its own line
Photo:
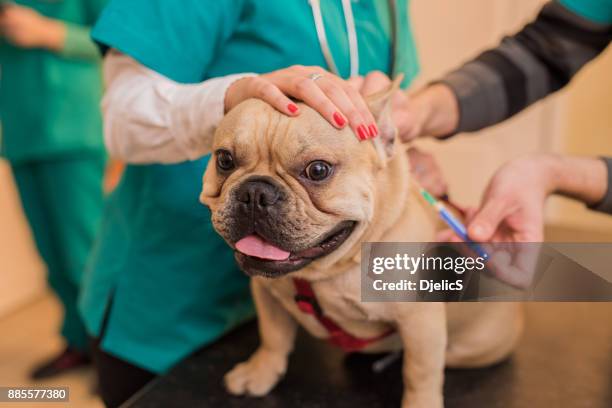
453 223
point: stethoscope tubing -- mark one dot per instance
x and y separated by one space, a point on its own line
351 35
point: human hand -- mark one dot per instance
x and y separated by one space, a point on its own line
427 172
511 217
433 111
512 209
26 28
406 120
334 98
510 220
513 263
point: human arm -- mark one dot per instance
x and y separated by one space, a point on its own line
512 209
585 179
526 67
172 57
148 118
26 28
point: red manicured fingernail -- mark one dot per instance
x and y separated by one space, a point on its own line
340 121
292 108
362 132
373 130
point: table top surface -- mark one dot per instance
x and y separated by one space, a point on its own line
564 360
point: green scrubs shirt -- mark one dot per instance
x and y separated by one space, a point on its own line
173 281
49 102
599 11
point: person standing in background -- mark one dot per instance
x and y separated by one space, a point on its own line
50 88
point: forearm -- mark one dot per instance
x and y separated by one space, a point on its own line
582 178
151 119
526 67
66 39
53 34
437 109
78 43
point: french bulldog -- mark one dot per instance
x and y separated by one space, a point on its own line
295 198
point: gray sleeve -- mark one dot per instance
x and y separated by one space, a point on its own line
605 205
526 67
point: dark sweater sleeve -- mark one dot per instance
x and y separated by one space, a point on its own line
526 67
605 205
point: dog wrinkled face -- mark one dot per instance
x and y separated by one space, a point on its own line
285 192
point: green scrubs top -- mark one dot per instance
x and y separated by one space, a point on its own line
49 102
172 281
599 11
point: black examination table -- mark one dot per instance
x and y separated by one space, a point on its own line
564 360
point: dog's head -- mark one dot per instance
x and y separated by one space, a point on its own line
285 192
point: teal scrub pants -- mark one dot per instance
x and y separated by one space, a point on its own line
62 200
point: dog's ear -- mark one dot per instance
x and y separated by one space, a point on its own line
380 105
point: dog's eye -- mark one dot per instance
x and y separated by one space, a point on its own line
225 160
318 170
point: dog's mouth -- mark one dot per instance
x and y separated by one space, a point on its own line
256 256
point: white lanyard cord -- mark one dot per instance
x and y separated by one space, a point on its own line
320 26
352 36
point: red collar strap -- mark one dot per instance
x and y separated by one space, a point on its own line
307 303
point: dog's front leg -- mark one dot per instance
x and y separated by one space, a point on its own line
422 328
260 373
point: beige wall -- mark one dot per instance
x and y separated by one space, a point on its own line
449 33
587 130
578 121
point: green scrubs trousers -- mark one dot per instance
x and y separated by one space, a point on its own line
52 137
62 199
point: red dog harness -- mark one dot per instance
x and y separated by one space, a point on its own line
307 303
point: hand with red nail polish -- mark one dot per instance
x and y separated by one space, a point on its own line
339 119
336 99
293 108
373 130
363 132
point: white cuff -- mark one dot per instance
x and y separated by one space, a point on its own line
196 111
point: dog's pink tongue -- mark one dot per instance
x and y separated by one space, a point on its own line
252 245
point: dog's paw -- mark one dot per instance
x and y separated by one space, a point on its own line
258 375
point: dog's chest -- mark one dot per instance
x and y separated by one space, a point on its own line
339 299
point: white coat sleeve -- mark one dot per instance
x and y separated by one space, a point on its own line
149 118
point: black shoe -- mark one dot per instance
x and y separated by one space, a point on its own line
67 360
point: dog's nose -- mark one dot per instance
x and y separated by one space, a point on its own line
259 193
